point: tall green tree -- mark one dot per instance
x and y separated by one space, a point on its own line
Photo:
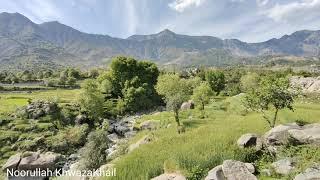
216 80
175 91
201 96
272 93
91 100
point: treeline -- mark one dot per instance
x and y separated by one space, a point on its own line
63 78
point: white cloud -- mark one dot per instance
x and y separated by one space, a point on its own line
262 2
182 5
295 11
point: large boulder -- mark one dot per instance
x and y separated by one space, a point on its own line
306 84
172 176
312 173
29 161
279 135
123 126
12 163
308 134
232 170
34 160
249 140
236 170
215 174
38 109
283 166
187 105
149 125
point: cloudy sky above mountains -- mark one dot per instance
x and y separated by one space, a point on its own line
247 20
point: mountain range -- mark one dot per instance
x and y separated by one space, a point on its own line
25 44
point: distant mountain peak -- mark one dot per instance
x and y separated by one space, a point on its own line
166 31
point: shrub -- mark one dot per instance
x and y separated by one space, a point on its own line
93 155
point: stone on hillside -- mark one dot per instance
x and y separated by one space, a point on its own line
34 160
215 174
122 126
12 163
38 109
187 105
113 137
312 173
172 176
144 140
236 170
81 119
149 125
279 135
283 166
307 84
249 140
308 134
250 167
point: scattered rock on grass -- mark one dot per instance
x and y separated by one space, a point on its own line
283 166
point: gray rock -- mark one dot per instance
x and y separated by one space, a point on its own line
34 160
247 140
308 134
149 125
310 174
187 105
215 174
250 167
283 166
236 170
113 137
80 119
130 134
12 163
172 176
279 135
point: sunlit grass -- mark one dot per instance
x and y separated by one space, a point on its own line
206 143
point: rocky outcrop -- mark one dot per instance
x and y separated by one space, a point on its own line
312 173
187 105
33 161
172 176
123 127
279 135
38 109
306 84
215 174
232 170
12 163
283 166
250 140
308 134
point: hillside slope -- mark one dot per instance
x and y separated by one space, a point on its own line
60 44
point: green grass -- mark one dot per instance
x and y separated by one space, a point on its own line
206 143
9 101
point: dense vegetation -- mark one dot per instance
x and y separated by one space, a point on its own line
79 118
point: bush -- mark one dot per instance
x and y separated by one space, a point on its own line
93 155
69 139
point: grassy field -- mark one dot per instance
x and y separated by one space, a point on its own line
207 142
9 101
17 128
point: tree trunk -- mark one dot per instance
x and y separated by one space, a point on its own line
274 118
202 110
176 116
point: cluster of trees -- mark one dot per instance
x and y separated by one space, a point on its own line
127 87
64 78
131 86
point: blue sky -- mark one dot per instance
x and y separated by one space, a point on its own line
247 20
